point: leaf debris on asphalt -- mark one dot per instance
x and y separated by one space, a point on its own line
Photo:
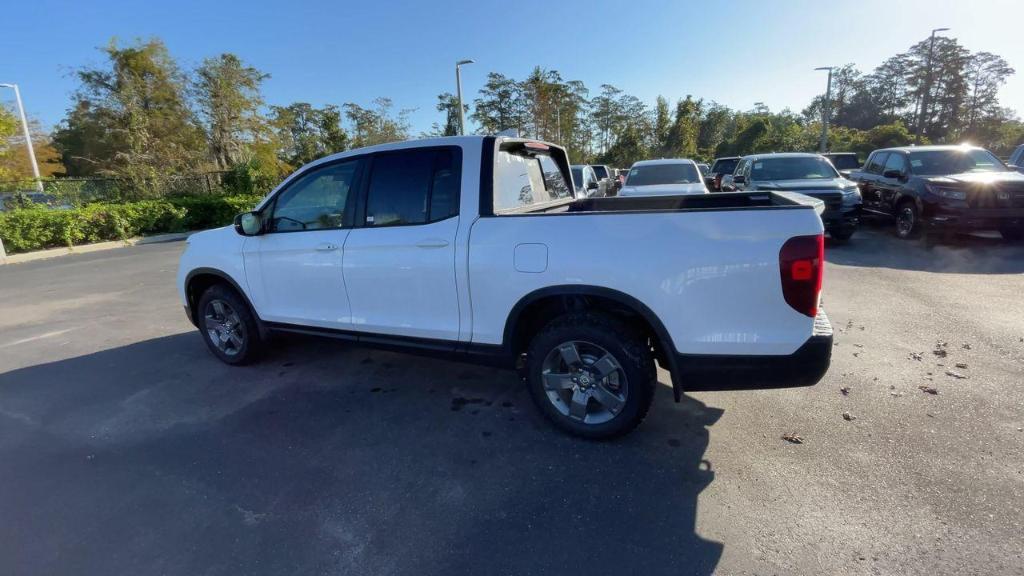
848 417
928 390
845 390
967 346
961 365
916 356
792 438
956 375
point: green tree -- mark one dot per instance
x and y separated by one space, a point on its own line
131 119
227 95
449 104
305 133
681 140
985 74
500 105
377 125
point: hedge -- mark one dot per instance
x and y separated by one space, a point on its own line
35 228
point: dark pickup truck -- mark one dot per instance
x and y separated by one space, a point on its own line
943 189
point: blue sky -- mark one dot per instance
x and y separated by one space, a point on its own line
736 53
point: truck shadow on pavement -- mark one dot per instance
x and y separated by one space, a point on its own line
875 246
156 458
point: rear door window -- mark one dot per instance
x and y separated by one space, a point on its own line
413 187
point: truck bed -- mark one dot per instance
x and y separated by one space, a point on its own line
718 201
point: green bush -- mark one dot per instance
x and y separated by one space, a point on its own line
37 227
203 212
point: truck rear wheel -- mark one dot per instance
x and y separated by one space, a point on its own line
591 375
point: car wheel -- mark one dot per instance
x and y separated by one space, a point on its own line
228 326
1012 234
591 375
907 220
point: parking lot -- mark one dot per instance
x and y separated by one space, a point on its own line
126 448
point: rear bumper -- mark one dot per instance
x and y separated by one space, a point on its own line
805 367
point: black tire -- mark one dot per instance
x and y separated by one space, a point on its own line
841 235
631 354
246 329
904 212
1012 234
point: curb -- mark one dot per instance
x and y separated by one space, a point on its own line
87 248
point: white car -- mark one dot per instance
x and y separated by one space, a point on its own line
469 247
671 177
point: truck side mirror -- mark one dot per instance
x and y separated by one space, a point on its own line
592 185
892 174
739 179
248 224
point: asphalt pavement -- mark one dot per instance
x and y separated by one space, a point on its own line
126 448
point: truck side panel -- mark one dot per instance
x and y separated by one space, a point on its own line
712 277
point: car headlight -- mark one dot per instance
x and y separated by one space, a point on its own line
951 193
851 196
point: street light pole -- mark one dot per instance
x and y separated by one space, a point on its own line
27 134
458 90
826 109
927 87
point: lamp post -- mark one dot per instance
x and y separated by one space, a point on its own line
826 108
927 87
458 90
27 134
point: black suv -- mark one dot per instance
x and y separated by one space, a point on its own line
942 189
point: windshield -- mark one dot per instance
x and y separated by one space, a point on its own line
796 168
844 161
725 166
601 172
653 174
954 161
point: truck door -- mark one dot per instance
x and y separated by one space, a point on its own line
888 184
399 263
869 180
294 268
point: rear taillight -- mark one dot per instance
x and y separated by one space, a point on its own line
801 263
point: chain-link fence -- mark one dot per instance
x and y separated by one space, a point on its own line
64 192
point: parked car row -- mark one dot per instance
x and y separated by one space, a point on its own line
924 190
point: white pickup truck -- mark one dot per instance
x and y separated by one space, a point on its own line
476 247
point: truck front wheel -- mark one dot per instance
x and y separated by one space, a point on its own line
228 327
591 375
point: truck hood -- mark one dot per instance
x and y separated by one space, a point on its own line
836 184
975 178
664 189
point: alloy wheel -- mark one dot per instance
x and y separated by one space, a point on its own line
224 327
584 382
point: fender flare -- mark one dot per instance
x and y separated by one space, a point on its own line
203 271
660 332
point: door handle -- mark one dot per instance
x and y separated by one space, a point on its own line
326 247
432 243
